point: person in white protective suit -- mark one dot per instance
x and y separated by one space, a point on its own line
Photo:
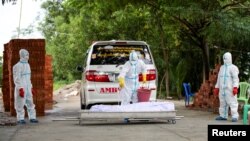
23 89
129 78
226 88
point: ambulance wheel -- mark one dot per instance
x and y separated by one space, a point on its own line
83 106
89 106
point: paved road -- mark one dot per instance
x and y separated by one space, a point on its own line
193 127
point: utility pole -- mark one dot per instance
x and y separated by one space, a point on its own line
20 17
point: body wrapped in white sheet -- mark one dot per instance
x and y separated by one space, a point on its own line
136 107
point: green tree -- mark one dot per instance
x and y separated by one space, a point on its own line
195 31
5 1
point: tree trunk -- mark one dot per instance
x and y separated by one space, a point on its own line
165 55
206 68
165 52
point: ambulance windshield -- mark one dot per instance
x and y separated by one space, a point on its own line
118 54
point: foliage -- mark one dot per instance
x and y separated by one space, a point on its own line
5 1
185 36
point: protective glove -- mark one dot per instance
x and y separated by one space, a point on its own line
21 92
121 82
235 91
33 91
216 91
144 78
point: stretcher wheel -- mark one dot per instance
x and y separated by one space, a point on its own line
174 121
126 120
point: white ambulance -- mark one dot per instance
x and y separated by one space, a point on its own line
104 61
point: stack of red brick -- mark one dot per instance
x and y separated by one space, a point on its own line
41 73
204 98
48 82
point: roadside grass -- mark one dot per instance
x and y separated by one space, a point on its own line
59 84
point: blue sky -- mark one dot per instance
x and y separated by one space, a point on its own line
10 16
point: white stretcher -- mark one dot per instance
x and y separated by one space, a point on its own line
127 115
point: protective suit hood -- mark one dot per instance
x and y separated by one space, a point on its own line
227 58
24 55
133 57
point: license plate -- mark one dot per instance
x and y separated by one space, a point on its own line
113 77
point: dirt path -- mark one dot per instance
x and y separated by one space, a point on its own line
192 127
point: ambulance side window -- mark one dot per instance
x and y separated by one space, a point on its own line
85 59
